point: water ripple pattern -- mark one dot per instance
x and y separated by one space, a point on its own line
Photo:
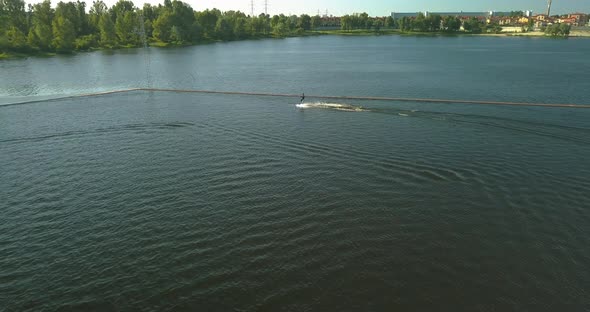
181 202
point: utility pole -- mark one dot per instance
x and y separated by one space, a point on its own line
549 7
265 7
252 8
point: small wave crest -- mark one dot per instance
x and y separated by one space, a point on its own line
334 106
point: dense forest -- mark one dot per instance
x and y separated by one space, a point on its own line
71 27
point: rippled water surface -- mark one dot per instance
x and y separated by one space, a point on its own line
160 201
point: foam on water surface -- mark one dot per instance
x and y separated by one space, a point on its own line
334 106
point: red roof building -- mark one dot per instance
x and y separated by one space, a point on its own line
581 18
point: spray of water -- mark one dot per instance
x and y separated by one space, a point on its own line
146 54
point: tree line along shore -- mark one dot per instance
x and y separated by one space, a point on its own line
42 29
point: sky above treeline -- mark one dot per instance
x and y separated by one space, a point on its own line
372 7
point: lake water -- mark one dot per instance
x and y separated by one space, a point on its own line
161 201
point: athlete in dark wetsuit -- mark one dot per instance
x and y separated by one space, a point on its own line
302 98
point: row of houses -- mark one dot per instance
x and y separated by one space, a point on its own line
573 19
463 15
507 18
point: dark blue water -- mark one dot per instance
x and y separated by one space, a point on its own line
162 201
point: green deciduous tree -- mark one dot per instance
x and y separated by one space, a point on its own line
121 7
64 34
405 24
377 24
85 42
304 22
162 27
12 14
208 21
41 33
74 13
389 22
494 28
280 29
419 23
315 22
346 22
565 29
108 37
13 26
364 21
224 29
183 18
126 28
240 30
433 22
97 9
451 24
558 30
16 39
175 34
473 25
256 25
265 20
369 24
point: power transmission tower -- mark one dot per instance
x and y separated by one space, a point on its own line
252 8
265 7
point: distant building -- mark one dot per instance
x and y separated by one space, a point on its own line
581 18
462 14
505 21
541 17
524 20
397 15
568 20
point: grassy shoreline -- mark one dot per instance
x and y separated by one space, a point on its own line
156 44
17 55
357 32
336 32
573 34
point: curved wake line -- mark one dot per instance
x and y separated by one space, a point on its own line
83 95
325 97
